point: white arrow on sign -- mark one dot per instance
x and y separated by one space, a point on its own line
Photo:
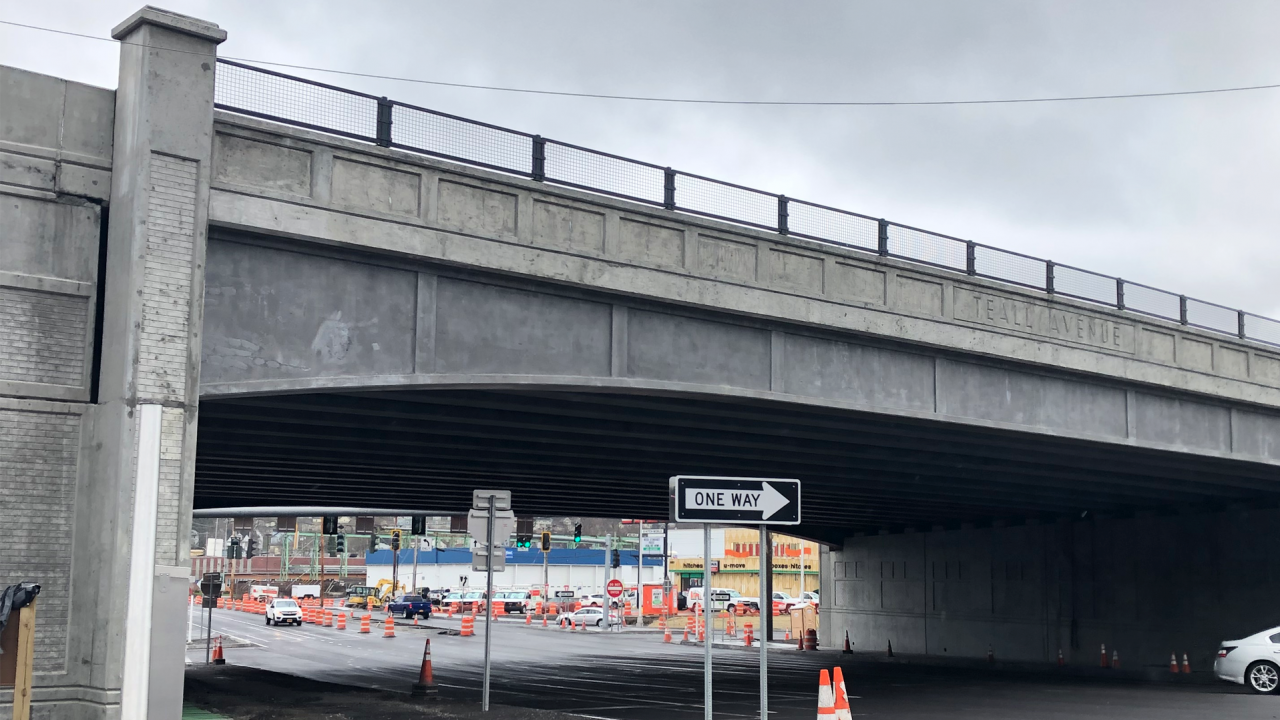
767 500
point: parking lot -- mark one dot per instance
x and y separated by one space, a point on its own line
634 675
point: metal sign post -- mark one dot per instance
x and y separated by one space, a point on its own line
758 501
492 517
765 637
488 599
706 626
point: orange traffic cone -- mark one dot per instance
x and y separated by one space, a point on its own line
826 701
528 619
364 623
842 697
1115 659
991 654
1061 661
666 634
217 653
848 646
788 637
1103 661
1173 662
1186 664
544 619
686 634
426 685
389 627
890 649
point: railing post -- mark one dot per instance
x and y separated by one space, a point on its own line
1182 309
783 215
669 189
971 257
1048 276
882 237
539 158
1119 294
1240 325
384 122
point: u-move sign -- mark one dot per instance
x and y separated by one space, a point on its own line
751 501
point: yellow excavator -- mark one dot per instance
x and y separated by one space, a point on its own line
372 598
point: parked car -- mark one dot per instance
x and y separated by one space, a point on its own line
409 606
810 598
282 611
592 616
736 600
597 600
783 602
1253 661
513 601
473 599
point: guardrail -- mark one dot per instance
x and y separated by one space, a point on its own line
270 95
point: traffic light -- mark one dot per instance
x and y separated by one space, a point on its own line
546 542
577 533
330 525
395 540
617 559
419 525
524 541
341 545
252 550
233 549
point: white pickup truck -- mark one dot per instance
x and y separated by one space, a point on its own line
736 599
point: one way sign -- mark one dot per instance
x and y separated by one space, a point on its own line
751 501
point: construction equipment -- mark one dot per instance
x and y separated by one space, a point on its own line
371 598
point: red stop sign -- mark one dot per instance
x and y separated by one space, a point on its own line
614 588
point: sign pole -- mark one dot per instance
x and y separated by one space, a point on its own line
488 599
706 616
639 574
764 637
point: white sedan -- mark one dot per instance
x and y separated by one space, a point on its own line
1253 661
588 616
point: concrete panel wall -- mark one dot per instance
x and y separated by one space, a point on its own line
55 179
1145 586
275 314
431 210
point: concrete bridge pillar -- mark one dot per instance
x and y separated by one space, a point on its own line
144 432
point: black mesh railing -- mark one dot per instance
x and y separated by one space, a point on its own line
274 96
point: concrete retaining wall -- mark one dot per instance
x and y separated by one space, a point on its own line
1145 586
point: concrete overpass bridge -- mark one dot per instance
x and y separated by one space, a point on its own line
308 296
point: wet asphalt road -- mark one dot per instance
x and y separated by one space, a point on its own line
635 676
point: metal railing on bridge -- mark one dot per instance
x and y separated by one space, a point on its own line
267 94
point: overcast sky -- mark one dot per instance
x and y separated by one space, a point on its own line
1181 193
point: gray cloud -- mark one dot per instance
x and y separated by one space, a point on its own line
1174 192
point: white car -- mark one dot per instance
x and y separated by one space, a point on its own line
589 616
282 611
1253 661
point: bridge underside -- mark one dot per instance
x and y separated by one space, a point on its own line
610 454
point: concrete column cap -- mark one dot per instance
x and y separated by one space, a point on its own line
150 15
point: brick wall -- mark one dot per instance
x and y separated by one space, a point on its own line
165 333
38 461
42 336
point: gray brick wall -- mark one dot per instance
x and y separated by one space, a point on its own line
42 337
166 289
169 499
165 333
38 456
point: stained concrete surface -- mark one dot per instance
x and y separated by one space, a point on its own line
635 676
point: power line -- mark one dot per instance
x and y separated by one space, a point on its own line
695 101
